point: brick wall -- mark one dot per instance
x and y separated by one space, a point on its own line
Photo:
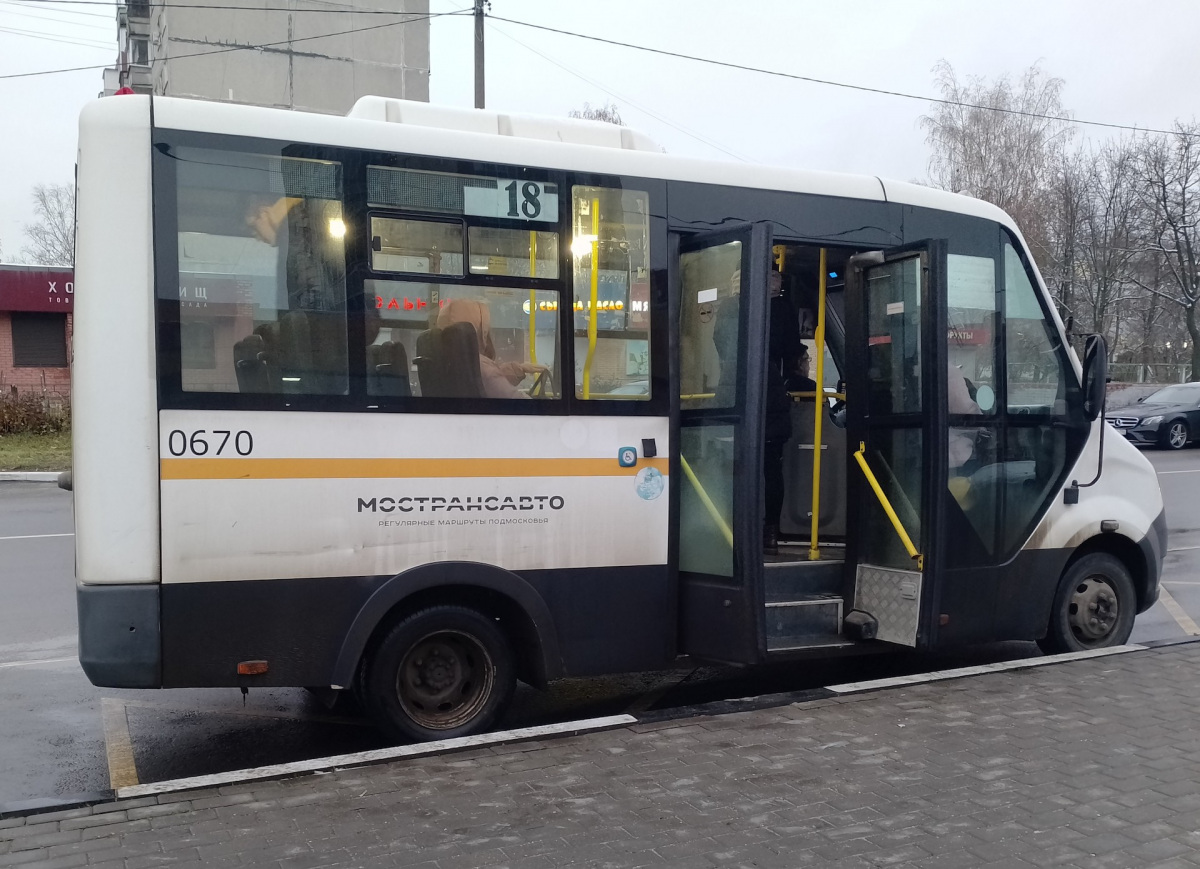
32 379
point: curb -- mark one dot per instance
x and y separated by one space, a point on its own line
29 476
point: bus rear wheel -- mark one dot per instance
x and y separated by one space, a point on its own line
1093 607
441 672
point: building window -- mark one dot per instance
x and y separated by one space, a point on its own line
141 51
39 340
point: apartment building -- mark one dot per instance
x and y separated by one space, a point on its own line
315 55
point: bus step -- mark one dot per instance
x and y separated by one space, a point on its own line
795 580
800 622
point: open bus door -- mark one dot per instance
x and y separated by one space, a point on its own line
896 399
719 284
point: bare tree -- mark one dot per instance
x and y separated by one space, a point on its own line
1000 142
607 113
52 237
1107 238
1170 188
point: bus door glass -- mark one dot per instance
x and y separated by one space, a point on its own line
895 388
720 286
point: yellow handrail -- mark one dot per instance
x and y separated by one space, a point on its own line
840 396
726 531
587 363
814 549
887 508
697 395
533 297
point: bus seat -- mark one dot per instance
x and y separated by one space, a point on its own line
387 369
295 348
250 363
460 362
796 518
447 362
426 362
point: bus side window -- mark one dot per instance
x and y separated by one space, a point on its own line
1038 383
510 350
975 472
610 252
1035 365
262 273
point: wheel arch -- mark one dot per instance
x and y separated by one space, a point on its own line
1128 553
525 618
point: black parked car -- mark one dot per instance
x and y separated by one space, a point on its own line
1169 418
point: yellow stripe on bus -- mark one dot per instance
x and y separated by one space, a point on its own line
365 469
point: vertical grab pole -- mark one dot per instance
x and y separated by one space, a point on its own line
533 297
814 550
587 365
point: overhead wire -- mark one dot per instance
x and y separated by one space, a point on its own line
614 42
57 37
710 143
49 7
830 83
224 49
240 7
11 10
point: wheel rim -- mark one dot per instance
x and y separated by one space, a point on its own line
1094 611
1178 435
445 680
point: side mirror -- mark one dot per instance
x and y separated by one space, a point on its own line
1095 376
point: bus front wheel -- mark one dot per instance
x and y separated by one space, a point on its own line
441 672
1093 607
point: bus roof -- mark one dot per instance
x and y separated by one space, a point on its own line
382 124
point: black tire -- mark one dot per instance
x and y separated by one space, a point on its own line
1175 435
1093 607
442 672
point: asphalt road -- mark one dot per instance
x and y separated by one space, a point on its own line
59 734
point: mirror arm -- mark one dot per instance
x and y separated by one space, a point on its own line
1071 493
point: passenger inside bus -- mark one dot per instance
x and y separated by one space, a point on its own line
499 379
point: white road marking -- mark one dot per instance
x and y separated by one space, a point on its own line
1183 548
1181 618
939 675
8 664
380 754
1192 471
37 536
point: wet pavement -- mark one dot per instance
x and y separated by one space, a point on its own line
1090 763
59 733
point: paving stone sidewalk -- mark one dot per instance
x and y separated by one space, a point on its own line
1094 763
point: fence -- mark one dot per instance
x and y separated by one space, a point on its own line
1136 372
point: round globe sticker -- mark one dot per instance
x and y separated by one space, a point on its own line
649 483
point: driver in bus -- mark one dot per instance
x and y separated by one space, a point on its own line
783 346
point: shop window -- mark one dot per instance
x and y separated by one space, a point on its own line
39 340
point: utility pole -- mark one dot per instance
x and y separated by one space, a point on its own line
479 53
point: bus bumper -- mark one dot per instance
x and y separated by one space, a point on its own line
119 639
1154 550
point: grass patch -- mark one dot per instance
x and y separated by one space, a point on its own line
26 451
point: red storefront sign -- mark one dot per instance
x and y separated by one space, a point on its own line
36 288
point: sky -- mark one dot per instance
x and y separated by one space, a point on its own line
1119 66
